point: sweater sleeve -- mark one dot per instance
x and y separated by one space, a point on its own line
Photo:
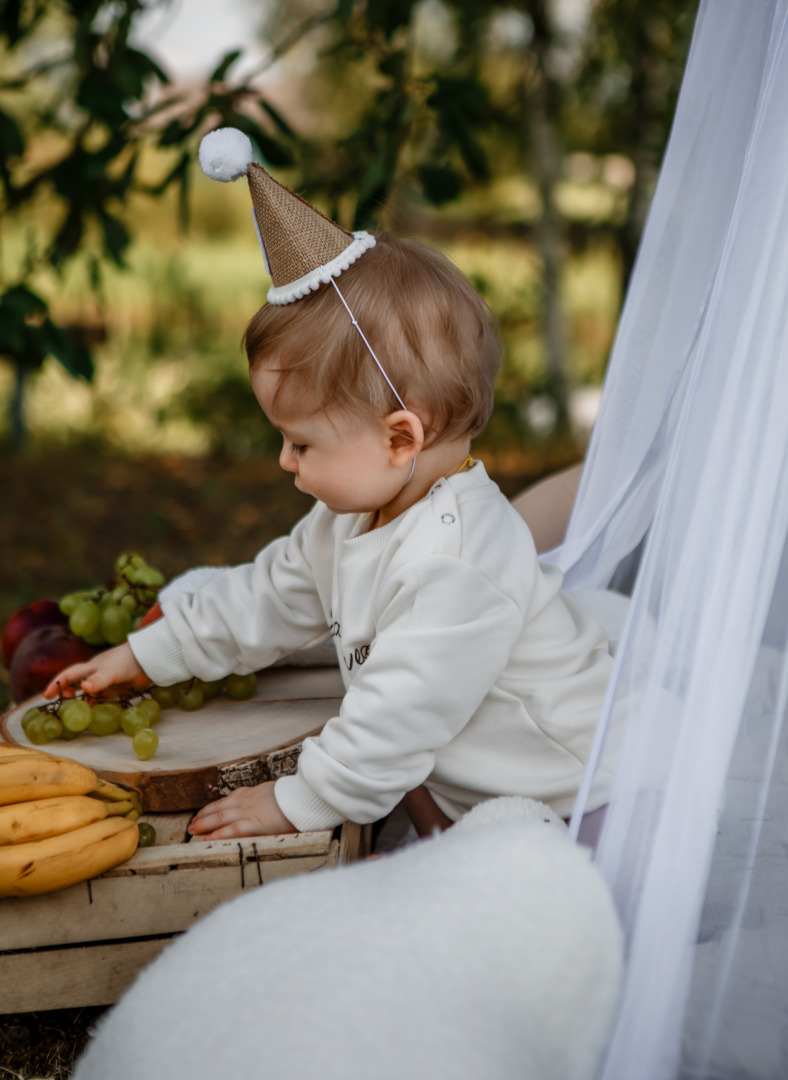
246 618
443 637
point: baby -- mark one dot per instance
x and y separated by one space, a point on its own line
466 667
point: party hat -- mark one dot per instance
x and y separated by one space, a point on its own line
302 248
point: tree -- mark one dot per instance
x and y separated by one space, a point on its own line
625 94
78 107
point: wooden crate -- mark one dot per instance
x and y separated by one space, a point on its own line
85 944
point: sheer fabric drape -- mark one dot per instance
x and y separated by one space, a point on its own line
683 505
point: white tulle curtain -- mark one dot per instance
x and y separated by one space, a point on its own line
684 505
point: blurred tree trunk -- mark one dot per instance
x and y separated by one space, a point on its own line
17 409
541 104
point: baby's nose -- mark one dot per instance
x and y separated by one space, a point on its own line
288 460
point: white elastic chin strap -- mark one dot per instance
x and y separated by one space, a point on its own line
371 352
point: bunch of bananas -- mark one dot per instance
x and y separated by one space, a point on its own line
59 823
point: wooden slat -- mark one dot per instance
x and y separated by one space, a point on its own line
355 842
160 859
72 978
116 907
170 828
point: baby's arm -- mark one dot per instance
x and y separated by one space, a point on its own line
247 811
114 667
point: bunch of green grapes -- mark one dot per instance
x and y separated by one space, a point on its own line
192 695
68 718
107 615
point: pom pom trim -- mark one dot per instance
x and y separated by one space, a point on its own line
225 154
321 275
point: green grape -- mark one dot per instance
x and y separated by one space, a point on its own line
147 834
70 602
32 716
145 744
67 735
105 601
137 560
123 561
152 710
106 718
95 638
85 619
119 592
53 727
33 726
166 696
146 575
76 715
210 690
128 602
115 624
190 696
37 735
241 687
134 720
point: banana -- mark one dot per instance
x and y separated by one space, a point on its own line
12 750
42 866
40 776
38 819
113 792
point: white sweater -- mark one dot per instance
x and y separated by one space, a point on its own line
465 665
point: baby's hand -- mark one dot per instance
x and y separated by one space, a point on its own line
247 811
116 667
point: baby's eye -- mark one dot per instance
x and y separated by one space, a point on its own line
297 449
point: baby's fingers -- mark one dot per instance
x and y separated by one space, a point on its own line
67 681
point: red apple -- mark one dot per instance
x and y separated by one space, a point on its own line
25 621
43 655
151 615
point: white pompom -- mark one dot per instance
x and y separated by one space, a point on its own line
225 154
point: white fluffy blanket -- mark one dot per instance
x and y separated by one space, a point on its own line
491 951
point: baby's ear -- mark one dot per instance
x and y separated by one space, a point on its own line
405 435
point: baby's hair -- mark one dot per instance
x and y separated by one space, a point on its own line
435 336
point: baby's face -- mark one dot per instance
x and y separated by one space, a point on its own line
337 458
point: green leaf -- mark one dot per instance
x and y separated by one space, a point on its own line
12 142
389 15
393 64
464 95
116 237
18 306
374 186
68 237
227 61
10 10
272 151
440 183
52 340
344 10
453 122
278 119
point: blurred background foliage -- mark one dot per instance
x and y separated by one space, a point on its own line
523 138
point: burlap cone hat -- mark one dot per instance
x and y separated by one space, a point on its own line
302 248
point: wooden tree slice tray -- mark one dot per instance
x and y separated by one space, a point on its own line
205 754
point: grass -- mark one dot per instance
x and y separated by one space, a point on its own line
46 1045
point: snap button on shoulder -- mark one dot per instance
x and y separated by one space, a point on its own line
448 519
